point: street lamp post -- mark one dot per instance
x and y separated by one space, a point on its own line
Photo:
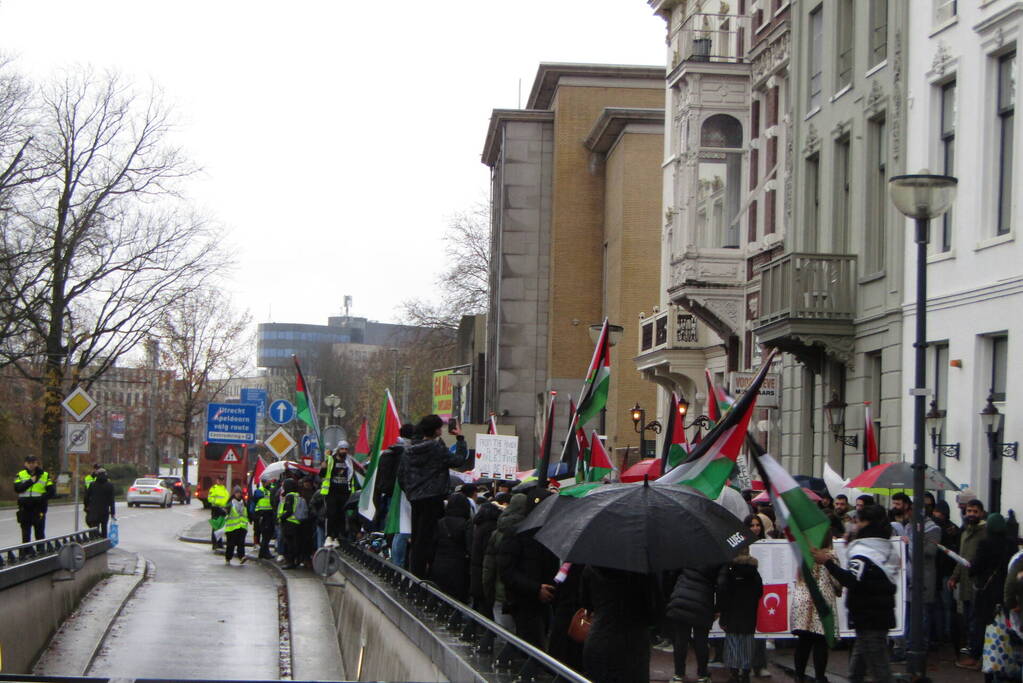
640 424
922 197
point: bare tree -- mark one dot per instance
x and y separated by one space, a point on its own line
465 284
205 342
110 241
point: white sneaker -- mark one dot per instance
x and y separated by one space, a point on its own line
329 543
280 558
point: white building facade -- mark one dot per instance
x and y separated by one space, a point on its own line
962 71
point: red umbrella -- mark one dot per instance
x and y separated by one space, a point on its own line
649 469
890 477
766 498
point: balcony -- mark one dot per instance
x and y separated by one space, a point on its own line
712 38
671 348
672 328
807 304
711 284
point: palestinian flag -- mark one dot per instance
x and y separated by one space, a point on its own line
257 472
387 434
718 402
570 450
598 380
492 424
542 470
676 449
600 465
711 461
582 464
870 454
305 408
361 452
803 523
399 514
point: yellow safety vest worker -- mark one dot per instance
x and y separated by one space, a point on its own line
218 496
88 481
291 515
36 490
263 503
325 486
235 519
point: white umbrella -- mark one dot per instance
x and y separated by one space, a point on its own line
836 484
732 500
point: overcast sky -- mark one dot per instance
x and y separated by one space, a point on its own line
335 137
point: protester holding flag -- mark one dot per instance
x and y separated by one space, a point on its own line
336 488
870 580
806 621
387 472
423 476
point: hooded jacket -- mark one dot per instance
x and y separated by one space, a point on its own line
524 564
870 580
493 586
483 526
387 467
738 595
99 500
423 471
450 566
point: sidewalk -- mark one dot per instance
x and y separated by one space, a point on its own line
199 532
75 645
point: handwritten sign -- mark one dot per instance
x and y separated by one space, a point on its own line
496 456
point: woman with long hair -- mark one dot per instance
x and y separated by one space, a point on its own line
807 625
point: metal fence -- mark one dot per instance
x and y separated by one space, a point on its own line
495 653
17 554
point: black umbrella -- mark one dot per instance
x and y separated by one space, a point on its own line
815 484
644 528
546 509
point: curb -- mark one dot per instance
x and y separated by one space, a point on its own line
142 571
287 654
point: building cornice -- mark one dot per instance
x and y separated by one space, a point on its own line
492 145
548 74
613 121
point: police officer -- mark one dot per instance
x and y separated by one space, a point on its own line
34 487
264 520
89 478
217 498
336 473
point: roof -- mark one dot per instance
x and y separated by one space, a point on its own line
613 120
549 73
492 145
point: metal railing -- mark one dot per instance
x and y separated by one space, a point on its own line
515 660
26 552
705 37
672 328
808 287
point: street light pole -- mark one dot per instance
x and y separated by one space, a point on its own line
921 197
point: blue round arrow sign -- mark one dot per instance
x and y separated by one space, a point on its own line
282 411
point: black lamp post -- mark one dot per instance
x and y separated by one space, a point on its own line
934 419
922 197
701 421
640 424
835 412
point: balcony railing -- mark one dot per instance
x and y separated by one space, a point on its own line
707 37
672 328
820 287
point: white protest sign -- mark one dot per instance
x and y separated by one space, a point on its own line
496 456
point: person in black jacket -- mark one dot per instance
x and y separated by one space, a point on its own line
423 476
387 473
99 502
990 568
738 595
449 568
483 525
870 582
624 606
691 611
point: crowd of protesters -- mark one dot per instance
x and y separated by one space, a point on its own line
465 540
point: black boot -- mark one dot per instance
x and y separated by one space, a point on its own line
733 676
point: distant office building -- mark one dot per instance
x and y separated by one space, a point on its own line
276 343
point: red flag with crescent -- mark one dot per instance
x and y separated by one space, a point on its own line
773 611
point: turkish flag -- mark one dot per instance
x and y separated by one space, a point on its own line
773 610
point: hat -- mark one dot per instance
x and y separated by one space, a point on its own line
995 523
237 489
341 444
965 496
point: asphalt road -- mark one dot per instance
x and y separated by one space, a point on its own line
194 617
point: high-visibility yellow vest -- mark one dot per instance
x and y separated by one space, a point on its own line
331 462
235 519
291 515
218 495
264 503
88 481
36 490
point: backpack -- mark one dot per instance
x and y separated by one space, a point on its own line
301 512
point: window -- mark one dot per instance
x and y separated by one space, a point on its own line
944 10
843 188
769 211
845 31
1006 111
999 360
877 200
816 54
754 118
878 31
813 201
751 233
720 174
948 135
875 378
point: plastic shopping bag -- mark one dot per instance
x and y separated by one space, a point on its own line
113 534
1001 656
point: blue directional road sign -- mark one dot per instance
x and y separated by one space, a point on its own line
282 411
309 445
257 396
231 422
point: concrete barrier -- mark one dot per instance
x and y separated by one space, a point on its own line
35 605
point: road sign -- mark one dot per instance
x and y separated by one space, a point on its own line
309 444
333 435
255 396
76 436
282 411
231 423
230 455
78 404
280 442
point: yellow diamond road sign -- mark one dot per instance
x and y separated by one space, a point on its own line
280 442
78 403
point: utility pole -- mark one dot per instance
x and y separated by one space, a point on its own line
153 346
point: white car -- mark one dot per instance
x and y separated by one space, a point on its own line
151 491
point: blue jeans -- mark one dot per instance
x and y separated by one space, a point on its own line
399 549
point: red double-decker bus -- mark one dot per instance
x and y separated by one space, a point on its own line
211 466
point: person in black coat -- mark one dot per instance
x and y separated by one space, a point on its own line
566 603
387 473
691 611
738 595
483 525
990 568
99 502
624 605
423 476
449 568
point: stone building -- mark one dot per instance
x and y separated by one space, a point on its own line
576 202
